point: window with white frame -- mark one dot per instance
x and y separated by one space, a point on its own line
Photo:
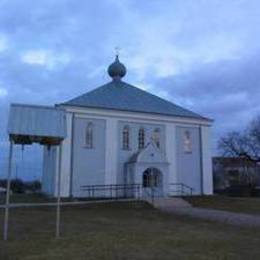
141 138
126 136
89 136
156 137
187 143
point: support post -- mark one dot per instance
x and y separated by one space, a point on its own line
58 195
7 200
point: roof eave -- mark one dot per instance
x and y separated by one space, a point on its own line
136 111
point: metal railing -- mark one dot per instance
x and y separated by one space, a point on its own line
180 189
149 194
118 191
111 191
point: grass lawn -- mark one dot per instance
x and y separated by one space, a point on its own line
27 198
123 231
242 204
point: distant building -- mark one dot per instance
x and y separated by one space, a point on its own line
2 190
229 171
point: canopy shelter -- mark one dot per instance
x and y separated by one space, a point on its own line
36 124
29 124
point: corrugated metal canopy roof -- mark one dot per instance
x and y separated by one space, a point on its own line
31 123
120 95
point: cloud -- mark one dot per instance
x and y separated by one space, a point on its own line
3 43
49 59
227 91
204 55
173 38
3 92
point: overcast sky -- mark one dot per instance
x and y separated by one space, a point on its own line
201 54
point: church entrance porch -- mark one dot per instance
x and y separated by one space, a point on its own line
149 168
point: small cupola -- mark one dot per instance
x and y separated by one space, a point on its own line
116 70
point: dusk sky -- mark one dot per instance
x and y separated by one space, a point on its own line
201 54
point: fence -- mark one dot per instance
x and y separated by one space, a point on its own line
180 189
112 191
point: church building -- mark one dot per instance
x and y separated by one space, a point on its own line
120 134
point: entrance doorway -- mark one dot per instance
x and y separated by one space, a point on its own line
153 180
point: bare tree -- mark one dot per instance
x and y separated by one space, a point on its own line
245 144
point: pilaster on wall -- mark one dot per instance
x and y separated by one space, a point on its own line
65 161
111 151
171 151
206 161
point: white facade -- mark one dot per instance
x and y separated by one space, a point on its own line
107 163
121 135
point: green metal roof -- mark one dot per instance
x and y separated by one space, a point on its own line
119 95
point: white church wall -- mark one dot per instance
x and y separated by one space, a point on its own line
130 174
111 151
105 164
171 154
189 163
88 163
206 161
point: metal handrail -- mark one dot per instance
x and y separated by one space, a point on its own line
150 194
113 190
183 188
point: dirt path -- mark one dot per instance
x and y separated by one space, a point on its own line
177 207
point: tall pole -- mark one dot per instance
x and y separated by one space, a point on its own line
58 194
7 200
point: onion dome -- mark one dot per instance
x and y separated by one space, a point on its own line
116 70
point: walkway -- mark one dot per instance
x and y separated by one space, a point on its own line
181 207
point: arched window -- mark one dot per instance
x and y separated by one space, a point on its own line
187 145
156 137
89 135
126 133
141 138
